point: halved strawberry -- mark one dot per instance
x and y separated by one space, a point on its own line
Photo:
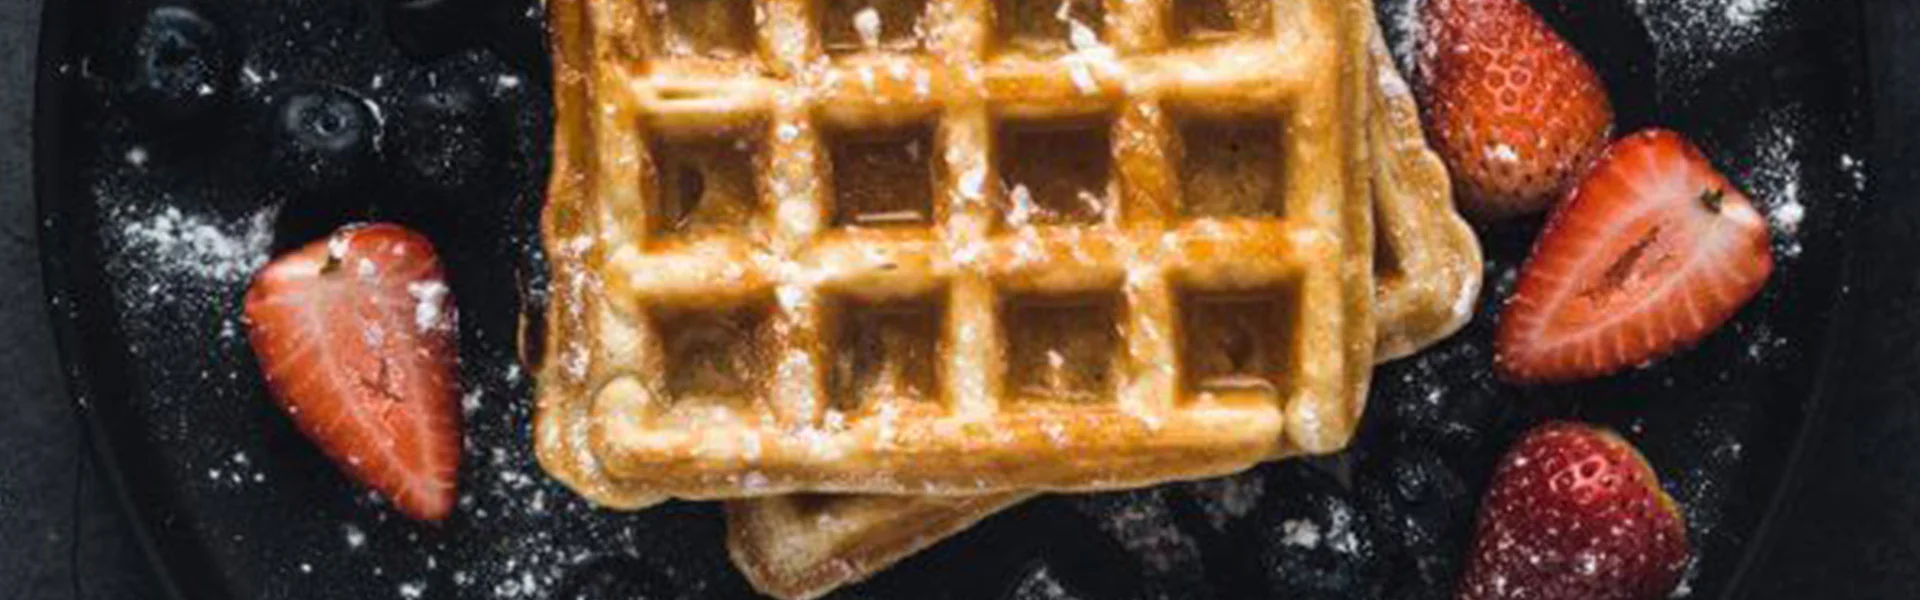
1651 252
1513 108
355 335
1574 511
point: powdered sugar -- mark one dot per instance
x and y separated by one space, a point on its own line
1747 12
1088 55
1142 523
1692 36
1401 21
1503 153
1300 533
867 22
1856 171
1775 175
1392 85
1689 25
177 243
1040 584
1337 533
1787 216
1689 37
1226 499
238 471
429 309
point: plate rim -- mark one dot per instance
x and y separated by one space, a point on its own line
1767 532
52 45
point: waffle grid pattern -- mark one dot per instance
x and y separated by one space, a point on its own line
627 270
798 547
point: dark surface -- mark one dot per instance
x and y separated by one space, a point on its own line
1854 530
61 535
1850 536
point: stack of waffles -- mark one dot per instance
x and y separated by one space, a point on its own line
871 270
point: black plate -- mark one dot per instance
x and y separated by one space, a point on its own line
148 239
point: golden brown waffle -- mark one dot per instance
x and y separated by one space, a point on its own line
951 253
1427 263
1427 280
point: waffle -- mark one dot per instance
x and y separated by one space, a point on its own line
1427 263
1427 276
1062 306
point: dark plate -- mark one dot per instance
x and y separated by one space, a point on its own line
150 233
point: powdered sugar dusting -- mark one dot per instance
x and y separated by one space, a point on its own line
1300 533
181 244
1692 36
1088 55
1747 12
1400 20
1143 524
1337 533
1692 25
1226 499
1774 179
867 22
429 309
1041 584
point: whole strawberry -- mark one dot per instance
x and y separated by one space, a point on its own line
1575 513
1515 111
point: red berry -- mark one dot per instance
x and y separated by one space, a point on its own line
1652 252
1575 513
355 335
1515 111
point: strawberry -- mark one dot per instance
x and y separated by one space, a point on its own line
1515 111
1651 252
355 335
1574 512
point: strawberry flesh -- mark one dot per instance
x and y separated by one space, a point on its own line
1574 511
355 337
1650 253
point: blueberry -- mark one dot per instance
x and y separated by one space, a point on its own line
1436 406
323 137
179 69
1423 514
432 28
1132 545
1224 503
1038 582
442 139
1314 543
1144 525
